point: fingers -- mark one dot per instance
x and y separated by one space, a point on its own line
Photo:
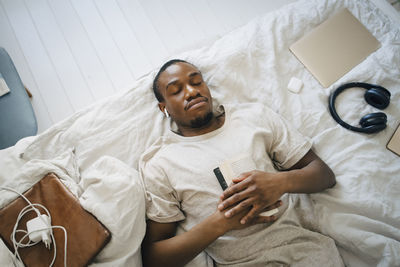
255 211
245 204
235 188
236 200
250 215
264 219
241 177
274 206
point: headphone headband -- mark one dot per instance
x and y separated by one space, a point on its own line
376 96
360 85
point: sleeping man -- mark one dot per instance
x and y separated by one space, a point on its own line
183 192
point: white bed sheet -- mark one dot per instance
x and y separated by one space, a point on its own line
253 64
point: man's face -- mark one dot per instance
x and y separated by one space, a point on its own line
186 95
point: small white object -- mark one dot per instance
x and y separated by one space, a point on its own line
3 87
39 228
270 212
295 85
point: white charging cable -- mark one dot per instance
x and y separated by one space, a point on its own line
38 229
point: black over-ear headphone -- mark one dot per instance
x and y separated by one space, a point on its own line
376 96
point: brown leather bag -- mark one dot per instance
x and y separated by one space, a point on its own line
86 235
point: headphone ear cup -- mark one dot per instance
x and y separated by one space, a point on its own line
374 119
377 97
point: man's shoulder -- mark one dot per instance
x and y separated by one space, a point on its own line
154 150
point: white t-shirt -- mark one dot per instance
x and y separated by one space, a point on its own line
181 185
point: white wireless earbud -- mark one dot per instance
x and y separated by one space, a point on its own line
166 113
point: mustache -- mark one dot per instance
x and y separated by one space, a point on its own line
194 100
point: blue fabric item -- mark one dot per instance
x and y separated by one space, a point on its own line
17 119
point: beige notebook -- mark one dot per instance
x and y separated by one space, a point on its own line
335 47
394 142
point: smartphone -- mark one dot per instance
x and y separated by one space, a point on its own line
220 178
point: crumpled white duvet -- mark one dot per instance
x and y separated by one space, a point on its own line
251 64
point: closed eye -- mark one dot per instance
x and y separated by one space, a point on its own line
177 90
196 81
196 78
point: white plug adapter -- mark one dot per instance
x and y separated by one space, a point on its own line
39 228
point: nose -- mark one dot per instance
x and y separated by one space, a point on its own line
191 91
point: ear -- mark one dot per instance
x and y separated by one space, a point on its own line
161 106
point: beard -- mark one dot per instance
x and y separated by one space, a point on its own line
201 121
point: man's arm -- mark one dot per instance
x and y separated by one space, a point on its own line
309 175
161 247
259 190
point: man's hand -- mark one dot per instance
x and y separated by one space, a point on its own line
235 221
255 191
260 191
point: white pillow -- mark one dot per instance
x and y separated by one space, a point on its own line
112 191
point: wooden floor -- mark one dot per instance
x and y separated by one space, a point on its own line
71 53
